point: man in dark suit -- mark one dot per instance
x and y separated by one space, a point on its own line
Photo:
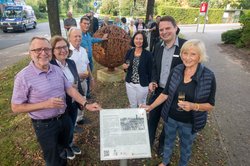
94 25
166 56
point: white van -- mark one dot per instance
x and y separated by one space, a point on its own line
18 18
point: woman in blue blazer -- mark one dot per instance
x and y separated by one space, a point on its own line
60 54
138 65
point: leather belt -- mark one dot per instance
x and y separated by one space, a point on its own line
49 120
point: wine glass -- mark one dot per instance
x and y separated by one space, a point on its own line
181 97
128 63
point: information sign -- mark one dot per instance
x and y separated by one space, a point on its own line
124 134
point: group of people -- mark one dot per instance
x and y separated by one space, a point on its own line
53 88
182 90
139 25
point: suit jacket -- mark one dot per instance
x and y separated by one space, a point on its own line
72 68
157 58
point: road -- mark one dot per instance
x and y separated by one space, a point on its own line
14 38
231 112
14 45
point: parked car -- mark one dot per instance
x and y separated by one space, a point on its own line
18 18
100 21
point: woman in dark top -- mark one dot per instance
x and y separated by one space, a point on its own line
60 54
189 95
138 64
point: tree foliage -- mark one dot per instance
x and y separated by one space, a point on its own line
110 7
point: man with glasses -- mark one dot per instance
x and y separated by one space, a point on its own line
87 41
40 90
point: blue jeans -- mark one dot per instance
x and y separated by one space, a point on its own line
186 140
72 115
153 120
53 137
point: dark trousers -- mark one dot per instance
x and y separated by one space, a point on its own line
91 66
53 137
153 120
153 41
72 111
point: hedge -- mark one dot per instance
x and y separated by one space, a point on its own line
189 15
245 20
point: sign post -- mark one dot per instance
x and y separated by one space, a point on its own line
95 4
203 12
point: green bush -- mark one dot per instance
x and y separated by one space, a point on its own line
39 15
190 15
231 36
245 20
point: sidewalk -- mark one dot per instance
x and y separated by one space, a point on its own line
12 55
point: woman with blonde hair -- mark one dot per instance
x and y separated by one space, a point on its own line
188 95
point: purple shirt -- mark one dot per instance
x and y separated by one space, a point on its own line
33 86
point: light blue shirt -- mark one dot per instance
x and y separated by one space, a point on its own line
166 62
87 41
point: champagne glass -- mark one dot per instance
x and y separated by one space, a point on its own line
128 63
181 97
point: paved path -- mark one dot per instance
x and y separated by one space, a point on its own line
232 111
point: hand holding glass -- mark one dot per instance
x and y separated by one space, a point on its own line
128 63
181 97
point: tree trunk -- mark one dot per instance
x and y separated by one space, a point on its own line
54 20
150 9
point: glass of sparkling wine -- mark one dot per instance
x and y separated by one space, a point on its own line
181 97
128 63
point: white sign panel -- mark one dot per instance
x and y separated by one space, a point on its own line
124 134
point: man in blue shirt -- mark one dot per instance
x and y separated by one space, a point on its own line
87 41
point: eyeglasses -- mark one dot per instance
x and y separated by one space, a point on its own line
62 47
40 50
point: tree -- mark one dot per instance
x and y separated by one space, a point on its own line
110 7
54 21
150 8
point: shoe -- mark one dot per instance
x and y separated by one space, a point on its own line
78 129
70 154
80 122
76 149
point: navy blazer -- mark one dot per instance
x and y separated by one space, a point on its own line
72 68
144 69
157 59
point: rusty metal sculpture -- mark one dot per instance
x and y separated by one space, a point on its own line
111 53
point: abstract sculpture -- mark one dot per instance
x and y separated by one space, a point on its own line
111 53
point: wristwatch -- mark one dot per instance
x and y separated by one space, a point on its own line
85 104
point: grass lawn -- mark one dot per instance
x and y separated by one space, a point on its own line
18 145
